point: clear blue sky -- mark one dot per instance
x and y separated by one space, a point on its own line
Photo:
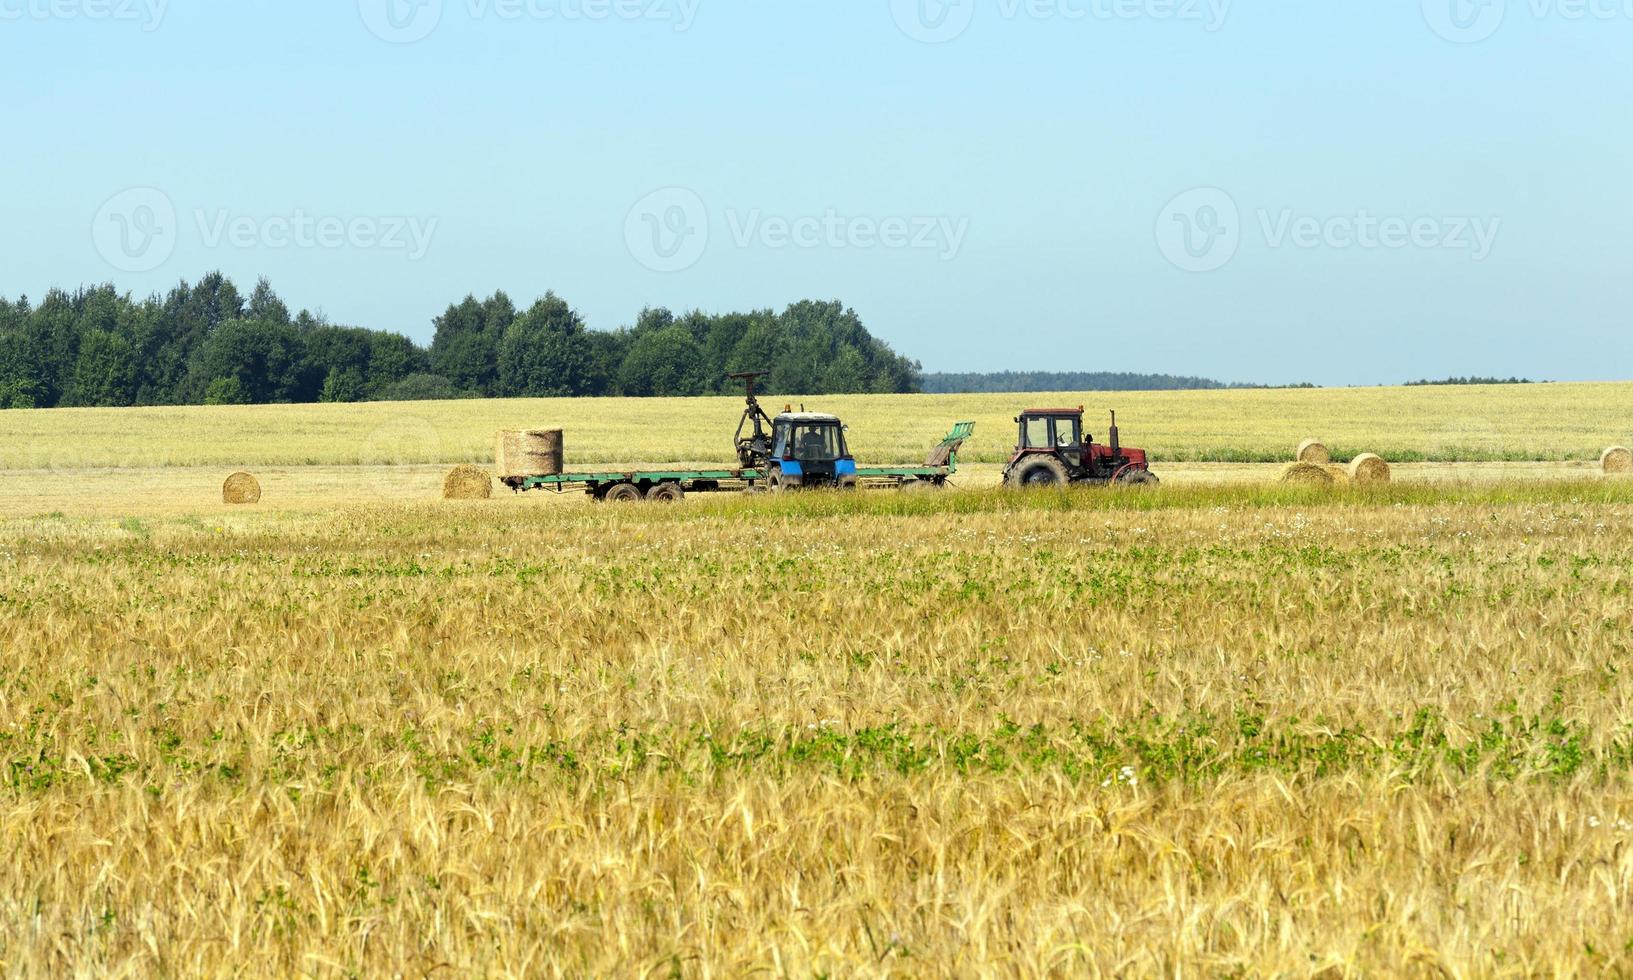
1390 189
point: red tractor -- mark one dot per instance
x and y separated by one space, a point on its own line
1055 451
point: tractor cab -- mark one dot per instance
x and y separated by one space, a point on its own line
1054 449
809 450
1055 431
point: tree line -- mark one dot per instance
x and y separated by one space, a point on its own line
206 343
1043 381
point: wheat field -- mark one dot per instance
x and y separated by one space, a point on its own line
1554 422
1225 728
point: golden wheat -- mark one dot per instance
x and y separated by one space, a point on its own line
1514 422
1373 731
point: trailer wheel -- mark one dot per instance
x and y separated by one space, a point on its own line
623 493
666 493
1040 471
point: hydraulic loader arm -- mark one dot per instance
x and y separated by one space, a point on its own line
946 454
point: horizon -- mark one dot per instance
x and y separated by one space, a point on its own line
1390 186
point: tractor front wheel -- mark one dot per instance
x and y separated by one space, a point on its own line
1138 478
1040 471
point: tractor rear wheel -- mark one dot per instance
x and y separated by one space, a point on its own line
666 493
623 493
1039 471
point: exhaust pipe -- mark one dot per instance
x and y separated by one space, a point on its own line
1116 440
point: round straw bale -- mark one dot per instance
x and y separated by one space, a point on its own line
1338 473
538 452
1369 468
1307 474
1313 451
1616 460
467 483
241 488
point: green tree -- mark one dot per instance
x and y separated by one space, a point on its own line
267 360
546 353
104 372
226 391
666 362
465 349
342 385
265 306
419 388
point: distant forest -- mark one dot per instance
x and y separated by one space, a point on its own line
207 343
1027 381
1470 381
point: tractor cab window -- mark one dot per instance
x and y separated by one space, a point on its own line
1068 432
821 443
1035 432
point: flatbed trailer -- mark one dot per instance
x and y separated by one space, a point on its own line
672 485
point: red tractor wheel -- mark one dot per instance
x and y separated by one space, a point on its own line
1038 472
1137 478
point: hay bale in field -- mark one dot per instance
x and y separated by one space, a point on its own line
532 453
1307 474
241 488
467 483
1369 468
1338 473
1313 451
1616 460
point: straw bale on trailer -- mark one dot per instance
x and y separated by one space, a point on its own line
531 453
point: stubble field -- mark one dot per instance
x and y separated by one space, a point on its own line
1222 728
